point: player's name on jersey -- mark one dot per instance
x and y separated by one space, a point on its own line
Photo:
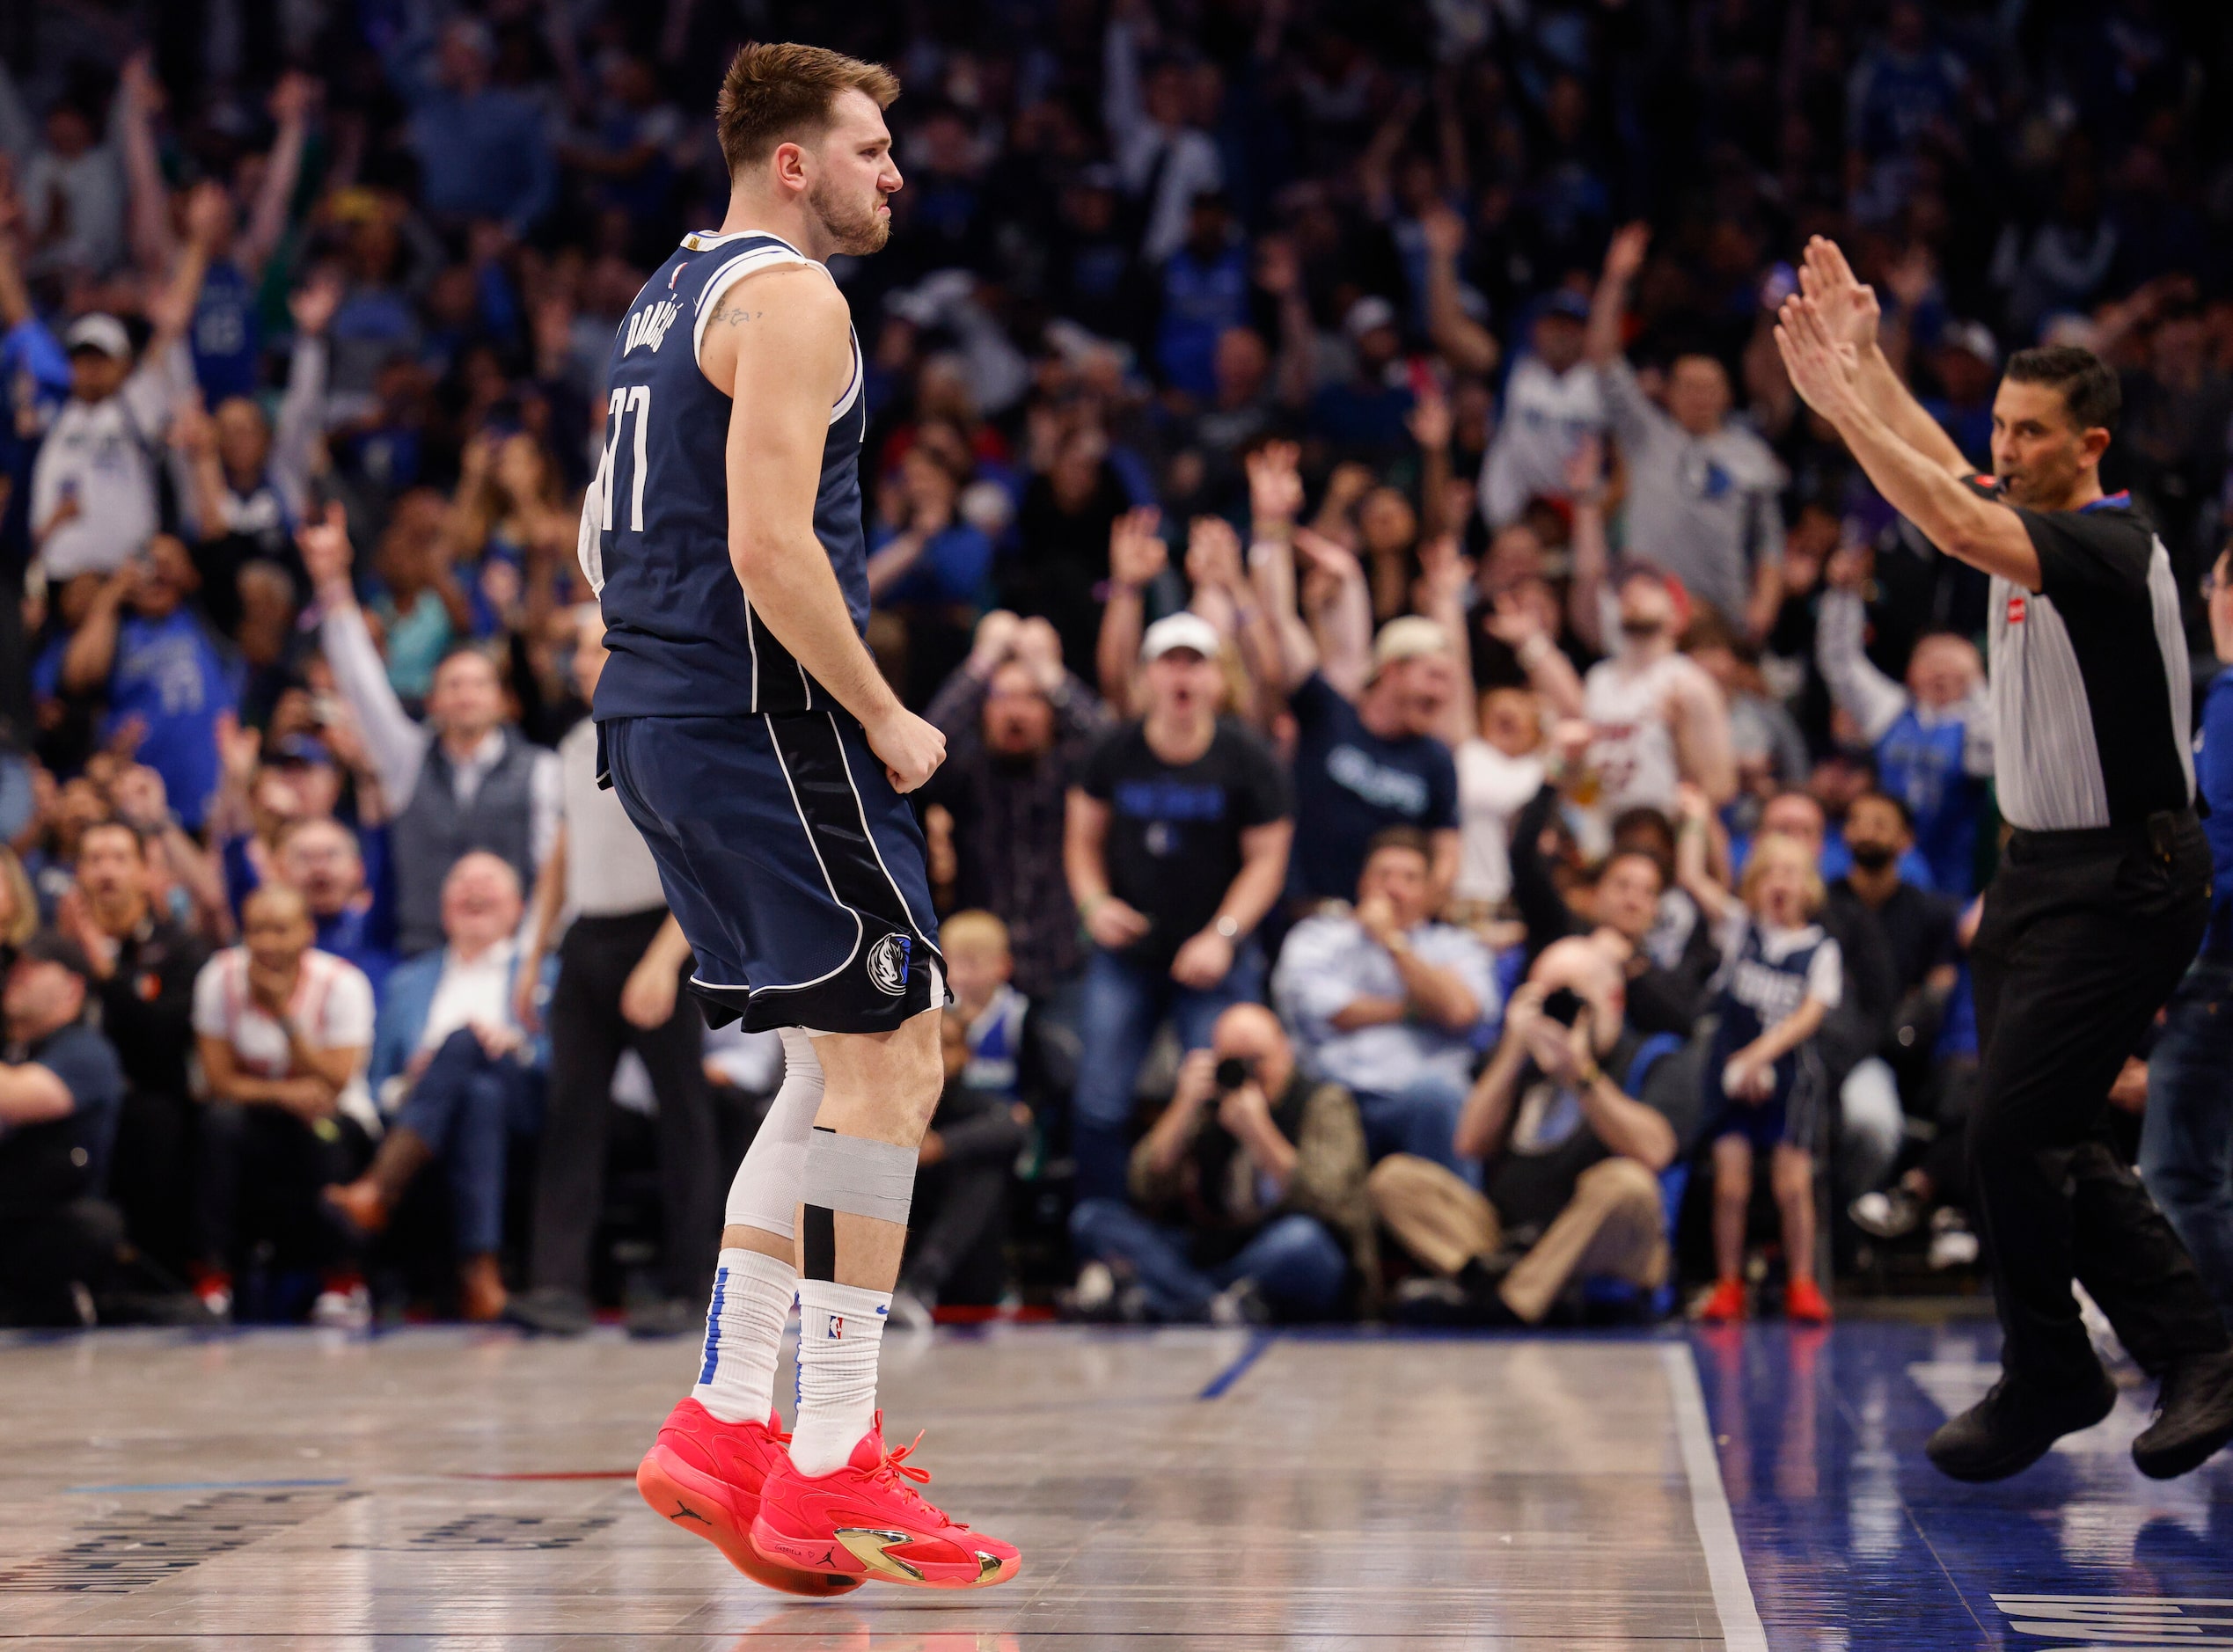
649 326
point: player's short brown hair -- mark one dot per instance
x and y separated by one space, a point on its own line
781 92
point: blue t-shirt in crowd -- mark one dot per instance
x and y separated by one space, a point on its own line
1200 301
1362 419
352 935
1921 763
169 675
34 381
224 334
952 567
365 935
1350 783
2213 778
63 1159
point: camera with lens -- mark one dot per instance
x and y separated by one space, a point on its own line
1565 1006
1233 1071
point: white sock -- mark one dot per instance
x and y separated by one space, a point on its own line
743 1333
841 1328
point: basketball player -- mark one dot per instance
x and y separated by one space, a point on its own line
751 740
2102 895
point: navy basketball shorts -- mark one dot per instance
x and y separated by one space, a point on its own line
796 871
1793 1116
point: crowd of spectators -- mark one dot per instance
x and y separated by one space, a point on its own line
1451 766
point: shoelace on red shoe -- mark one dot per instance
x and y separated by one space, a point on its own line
895 1472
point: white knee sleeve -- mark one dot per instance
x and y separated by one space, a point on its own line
765 1193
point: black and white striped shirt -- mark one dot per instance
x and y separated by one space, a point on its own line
2091 700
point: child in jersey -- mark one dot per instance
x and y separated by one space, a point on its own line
1780 975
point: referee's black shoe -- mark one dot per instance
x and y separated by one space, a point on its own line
2013 1426
2194 1418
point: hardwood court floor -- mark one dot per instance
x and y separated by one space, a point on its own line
1754 1488
457 1490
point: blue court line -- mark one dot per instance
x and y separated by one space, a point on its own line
1239 1369
212 1484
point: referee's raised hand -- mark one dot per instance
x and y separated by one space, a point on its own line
1824 369
1849 305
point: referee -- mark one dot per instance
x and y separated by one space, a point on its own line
2102 894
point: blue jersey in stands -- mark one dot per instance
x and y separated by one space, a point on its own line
655 526
1924 764
1765 977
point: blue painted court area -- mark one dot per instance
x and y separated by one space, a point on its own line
1852 1540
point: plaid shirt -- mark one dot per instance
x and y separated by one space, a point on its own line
1007 824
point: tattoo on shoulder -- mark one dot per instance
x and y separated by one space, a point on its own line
737 314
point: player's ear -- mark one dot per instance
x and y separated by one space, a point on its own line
790 166
2092 444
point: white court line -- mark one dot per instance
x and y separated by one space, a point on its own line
1741 1625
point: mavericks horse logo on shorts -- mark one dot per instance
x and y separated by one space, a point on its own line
888 964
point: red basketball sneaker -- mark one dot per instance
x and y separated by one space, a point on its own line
1726 1305
865 1520
1805 1304
706 1475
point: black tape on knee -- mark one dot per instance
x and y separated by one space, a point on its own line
818 1244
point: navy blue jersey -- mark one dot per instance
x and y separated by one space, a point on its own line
1926 766
655 526
1767 977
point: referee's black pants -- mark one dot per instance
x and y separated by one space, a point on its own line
2084 934
587 1033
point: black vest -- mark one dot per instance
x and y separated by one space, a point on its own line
435 830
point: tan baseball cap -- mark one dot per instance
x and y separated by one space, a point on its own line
1411 637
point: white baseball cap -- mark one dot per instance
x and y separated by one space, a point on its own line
1369 314
104 333
1974 337
1180 631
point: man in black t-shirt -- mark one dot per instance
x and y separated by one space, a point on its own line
1922 940
2102 896
1176 847
60 1088
1919 928
143 967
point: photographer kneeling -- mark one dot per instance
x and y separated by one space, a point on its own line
1247 1194
1573 1119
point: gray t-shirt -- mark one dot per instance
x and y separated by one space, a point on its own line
1702 507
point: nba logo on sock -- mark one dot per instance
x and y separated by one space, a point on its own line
836 1327
888 964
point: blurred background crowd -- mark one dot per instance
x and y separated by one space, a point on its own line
1462 803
